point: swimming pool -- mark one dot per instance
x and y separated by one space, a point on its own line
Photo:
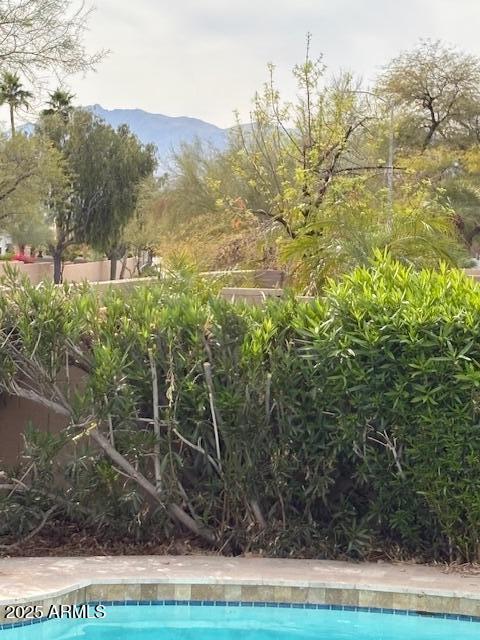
247 621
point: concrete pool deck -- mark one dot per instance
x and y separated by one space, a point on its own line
397 586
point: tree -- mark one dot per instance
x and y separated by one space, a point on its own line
13 94
39 35
32 229
461 182
455 173
291 153
143 231
118 163
315 164
61 103
192 170
438 90
27 167
102 170
438 85
54 129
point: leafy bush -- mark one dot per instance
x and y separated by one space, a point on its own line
346 426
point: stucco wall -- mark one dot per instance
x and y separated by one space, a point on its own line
15 415
72 272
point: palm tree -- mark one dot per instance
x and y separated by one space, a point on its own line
61 103
13 94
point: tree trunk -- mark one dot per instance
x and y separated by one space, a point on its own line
138 262
176 512
149 258
12 120
123 270
113 265
430 133
57 267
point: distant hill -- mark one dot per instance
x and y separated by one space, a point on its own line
166 132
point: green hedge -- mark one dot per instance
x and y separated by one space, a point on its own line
348 426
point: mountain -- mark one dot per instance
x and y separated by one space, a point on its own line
166 132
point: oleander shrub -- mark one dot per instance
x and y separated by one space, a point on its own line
343 427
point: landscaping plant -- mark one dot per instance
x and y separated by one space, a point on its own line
347 426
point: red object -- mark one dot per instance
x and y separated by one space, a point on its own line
21 257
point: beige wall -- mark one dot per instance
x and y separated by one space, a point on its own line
266 278
15 415
251 295
73 271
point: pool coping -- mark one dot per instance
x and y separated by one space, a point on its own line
217 579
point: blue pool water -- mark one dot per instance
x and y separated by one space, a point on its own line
183 622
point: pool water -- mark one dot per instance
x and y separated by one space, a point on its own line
184 622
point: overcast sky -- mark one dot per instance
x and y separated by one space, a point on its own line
205 58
